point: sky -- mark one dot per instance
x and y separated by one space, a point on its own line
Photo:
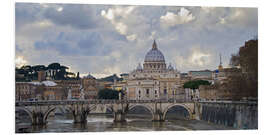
109 39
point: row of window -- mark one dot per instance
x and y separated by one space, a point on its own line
148 91
154 72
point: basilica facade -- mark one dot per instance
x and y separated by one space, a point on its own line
154 79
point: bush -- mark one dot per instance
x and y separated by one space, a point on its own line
108 94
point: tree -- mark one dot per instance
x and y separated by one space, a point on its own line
195 84
78 76
108 94
62 74
54 68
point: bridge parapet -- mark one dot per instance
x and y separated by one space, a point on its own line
229 102
71 102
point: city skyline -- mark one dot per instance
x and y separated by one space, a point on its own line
104 40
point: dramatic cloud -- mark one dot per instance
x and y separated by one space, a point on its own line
171 19
118 16
103 40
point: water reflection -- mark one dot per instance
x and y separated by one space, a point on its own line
101 123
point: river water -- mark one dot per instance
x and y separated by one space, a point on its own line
102 123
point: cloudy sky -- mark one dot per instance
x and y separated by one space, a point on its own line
105 39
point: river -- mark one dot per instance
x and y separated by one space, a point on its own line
102 123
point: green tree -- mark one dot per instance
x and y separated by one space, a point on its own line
195 84
54 68
78 76
108 94
37 68
62 73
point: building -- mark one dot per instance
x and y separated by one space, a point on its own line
201 74
222 75
154 80
89 85
25 91
221 89
73 85
57 89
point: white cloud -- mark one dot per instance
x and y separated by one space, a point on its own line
222 20
132 37
44 23
20 61
116 54
139 25
196 58
240 17
115 15
208 9
199 58
60 9
97 75
182 17
112 70
121 28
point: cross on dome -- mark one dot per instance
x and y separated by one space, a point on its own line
154 46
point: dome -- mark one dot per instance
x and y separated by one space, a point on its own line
154 55
89 76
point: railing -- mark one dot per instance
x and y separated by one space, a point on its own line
71 102
228 102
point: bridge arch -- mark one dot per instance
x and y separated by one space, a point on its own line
26 110
181 105
149 108
106 106
47 113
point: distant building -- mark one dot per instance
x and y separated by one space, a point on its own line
124 76
90 87
25 91
74 85
220 90
154 80
56 90
221 75
201 74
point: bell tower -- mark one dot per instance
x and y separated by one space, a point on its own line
220 67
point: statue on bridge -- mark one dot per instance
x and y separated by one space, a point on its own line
82 93
69 93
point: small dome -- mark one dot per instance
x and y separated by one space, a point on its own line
170 67
89 76
154 55
139 67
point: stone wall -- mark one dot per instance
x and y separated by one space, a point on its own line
237 115
217 92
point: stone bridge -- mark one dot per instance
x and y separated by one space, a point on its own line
238 114
40 110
